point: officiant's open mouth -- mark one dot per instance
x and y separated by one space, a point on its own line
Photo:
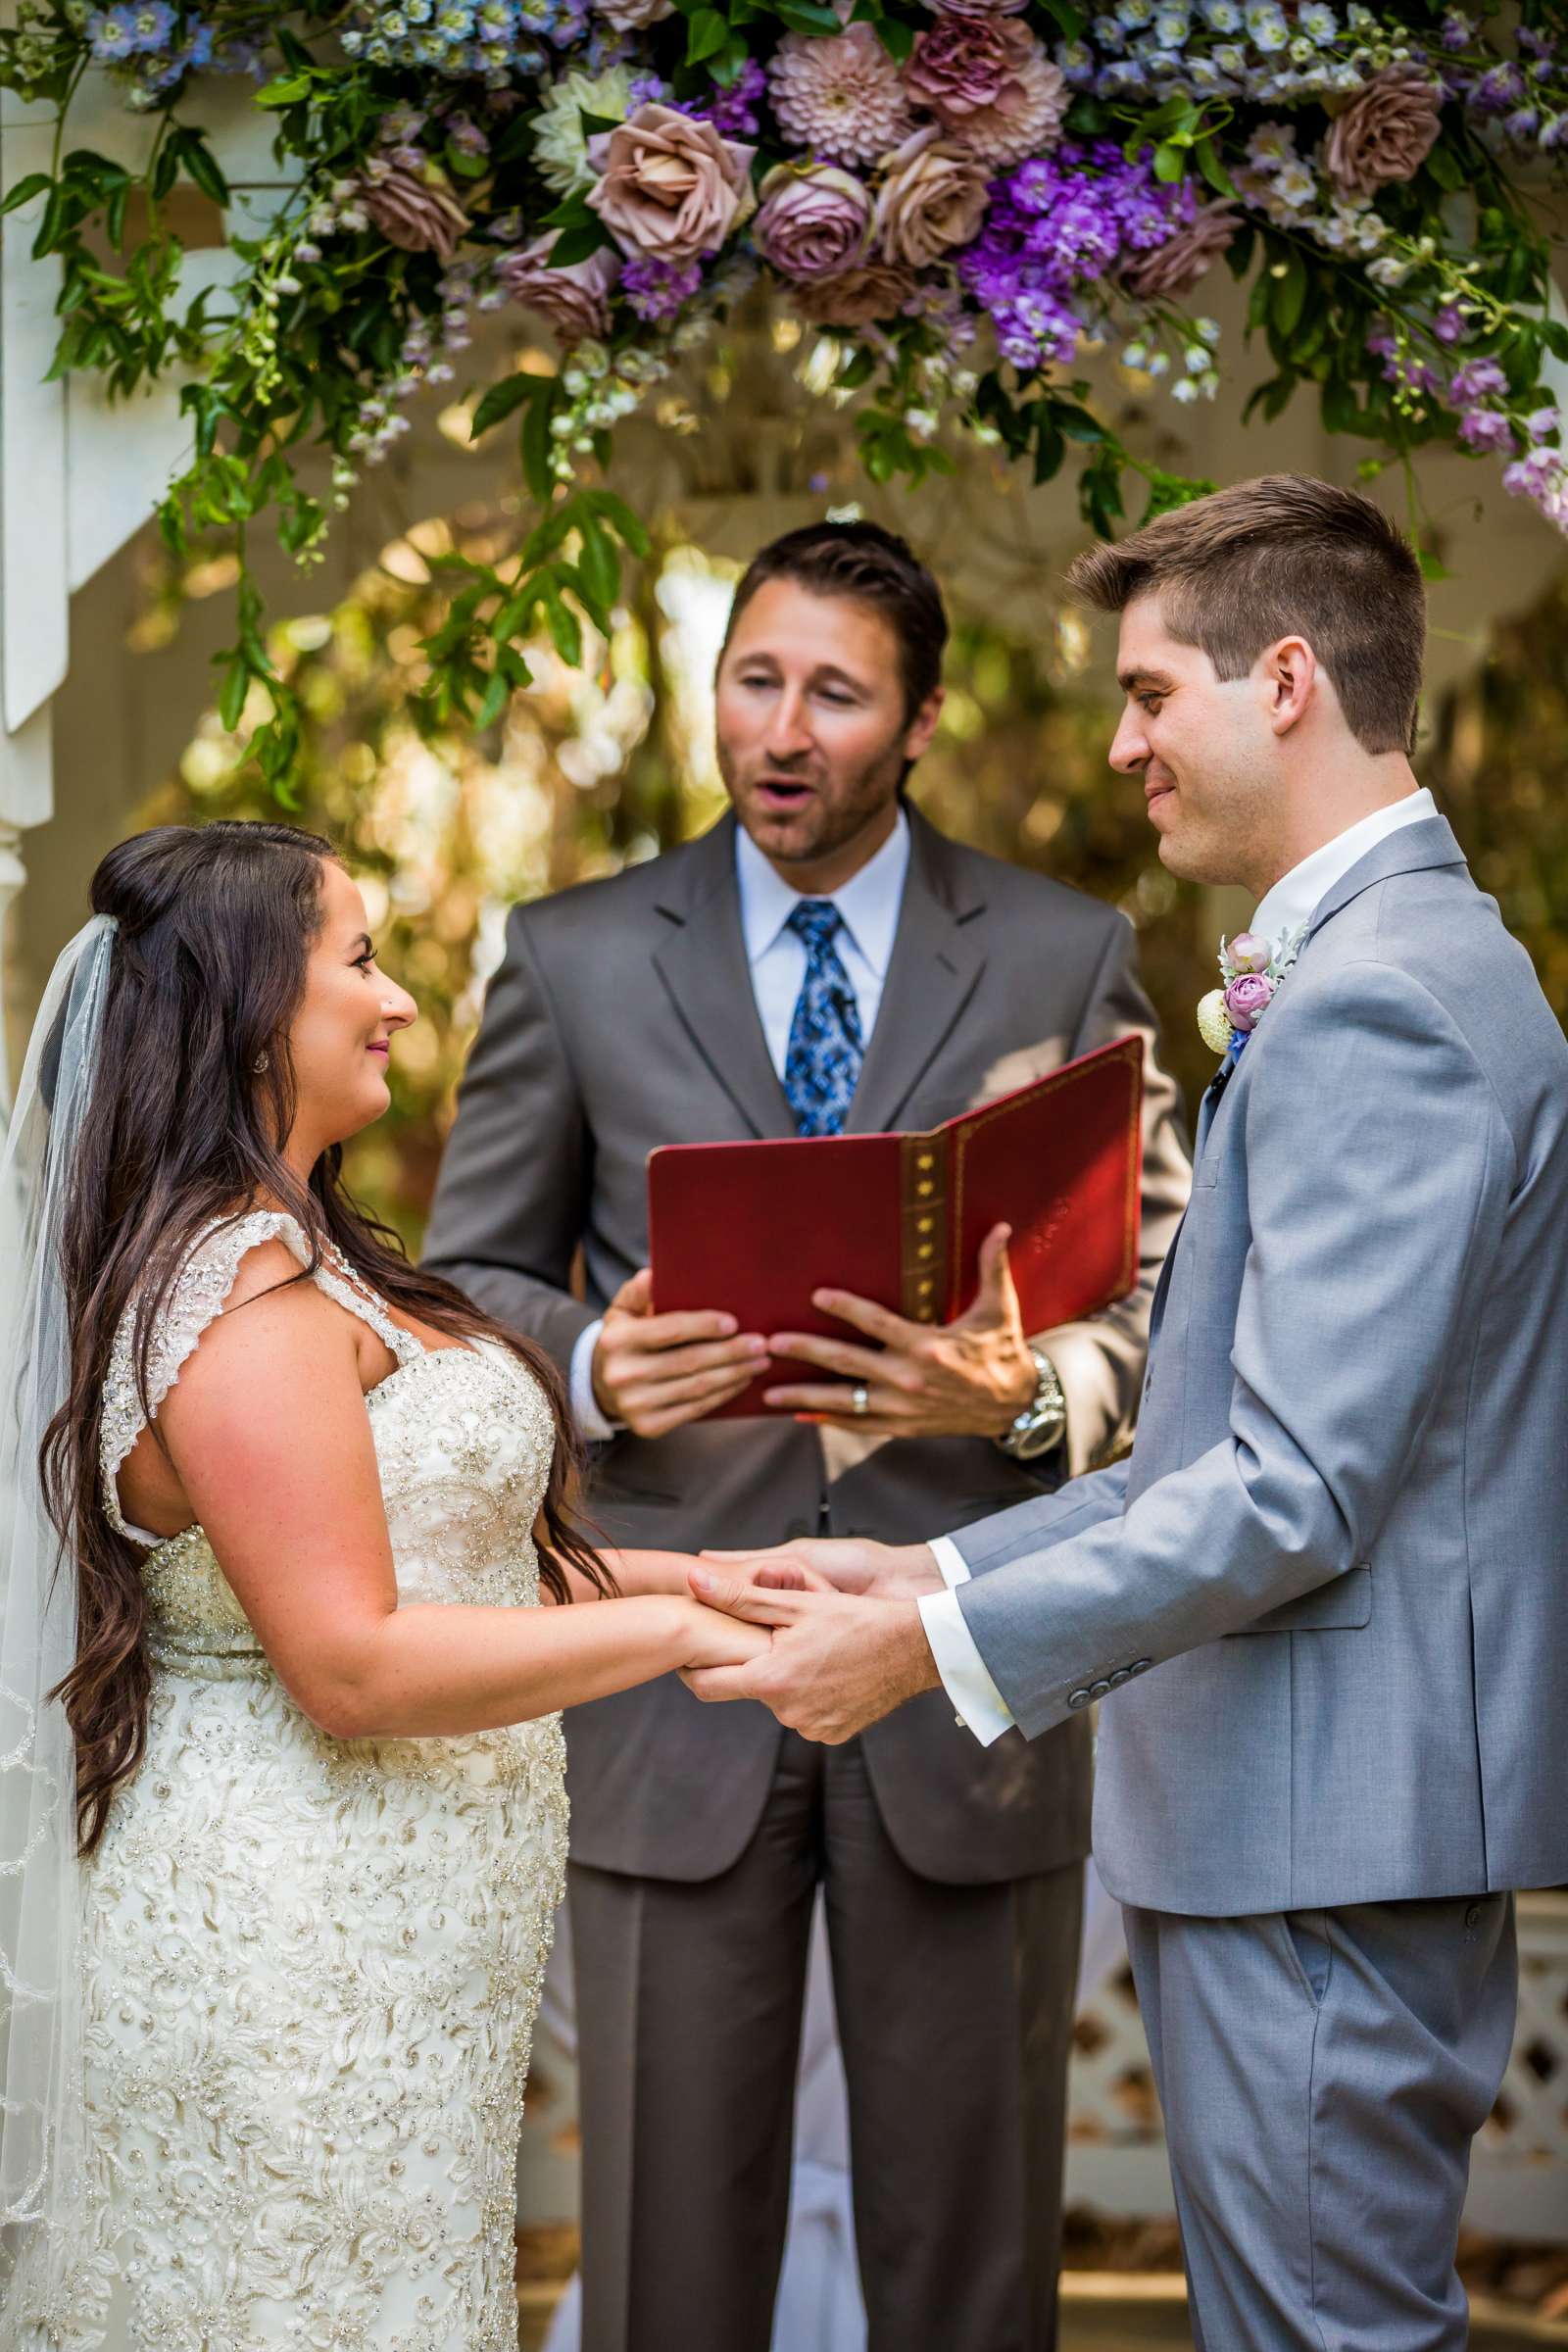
783 792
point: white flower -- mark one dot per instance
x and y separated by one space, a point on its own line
1318 23
1135 355
560 142
1272 144
1159 364
1194 358
1213 1021
1295 185
1209 331
1185 390
1171 26
1230 60
1222 16
1266 26
1388 271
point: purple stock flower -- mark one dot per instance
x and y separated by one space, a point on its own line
1057 223
1449 324
656 290
1476 380
1486 430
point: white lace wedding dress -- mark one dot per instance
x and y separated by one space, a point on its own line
312 1965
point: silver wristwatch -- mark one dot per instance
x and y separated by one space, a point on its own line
1042 1423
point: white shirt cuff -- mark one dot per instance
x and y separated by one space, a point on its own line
981 1707
950 1560
584 1404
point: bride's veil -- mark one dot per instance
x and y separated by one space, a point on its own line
42 2118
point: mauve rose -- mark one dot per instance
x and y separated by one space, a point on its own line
575 300
856 297
1173 269
1249 953
964 63
1386 133
414 210
631 16
1247 998
814 220
670 188
933 198
977 8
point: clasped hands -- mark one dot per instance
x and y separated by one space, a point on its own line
847 1643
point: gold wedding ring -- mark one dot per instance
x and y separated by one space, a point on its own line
860 1398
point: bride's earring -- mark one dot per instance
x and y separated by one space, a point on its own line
262 1064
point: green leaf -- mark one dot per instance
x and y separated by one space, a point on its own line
231 701
500 400
536 441
1170 161
1213 169
1049 449
1068 17
1446 168
599 563
1288 299
288 92
705 34
201 165
1432 566
565 629
495 700
628 527
806 15
1077 423
166 170
25 190
577 243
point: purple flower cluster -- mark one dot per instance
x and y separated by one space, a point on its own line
1056 224
733 111
659 291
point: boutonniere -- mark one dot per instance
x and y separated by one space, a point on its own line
1251 971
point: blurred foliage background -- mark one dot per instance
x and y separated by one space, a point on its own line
595 767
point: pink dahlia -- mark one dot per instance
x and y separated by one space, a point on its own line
1025 116
839 94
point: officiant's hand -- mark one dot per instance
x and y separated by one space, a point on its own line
653 1372
968 1379
835 1663
836 1565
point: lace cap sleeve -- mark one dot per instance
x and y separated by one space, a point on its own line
195 1299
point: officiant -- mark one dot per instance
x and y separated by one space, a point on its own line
822 962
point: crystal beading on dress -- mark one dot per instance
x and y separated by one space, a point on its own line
312 1965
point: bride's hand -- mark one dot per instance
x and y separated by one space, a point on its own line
838 1564
715 1639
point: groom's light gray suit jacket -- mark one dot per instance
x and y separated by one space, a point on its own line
1326 1599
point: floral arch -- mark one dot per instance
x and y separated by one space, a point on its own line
963 202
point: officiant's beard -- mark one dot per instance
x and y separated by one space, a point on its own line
814 844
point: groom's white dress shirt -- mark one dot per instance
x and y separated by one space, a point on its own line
869 903
1288 906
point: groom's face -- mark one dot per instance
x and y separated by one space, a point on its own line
814 729
1203 746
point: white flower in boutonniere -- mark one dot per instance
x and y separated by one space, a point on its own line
1251 971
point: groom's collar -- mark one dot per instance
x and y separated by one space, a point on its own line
1412 850
1289 905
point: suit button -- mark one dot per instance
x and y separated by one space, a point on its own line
1099 1690
1140 1665
1123 1674
1077 1698
1472 1918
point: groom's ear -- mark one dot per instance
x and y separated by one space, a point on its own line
1292 676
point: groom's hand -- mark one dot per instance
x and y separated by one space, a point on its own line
654 1372
835 1664
966 1379
837 1564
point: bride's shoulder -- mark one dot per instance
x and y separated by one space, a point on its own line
228 1262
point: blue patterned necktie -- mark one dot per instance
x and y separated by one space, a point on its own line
825 1047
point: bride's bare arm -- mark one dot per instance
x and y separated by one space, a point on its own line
637 1572
268 1433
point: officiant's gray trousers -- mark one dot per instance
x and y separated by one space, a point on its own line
955 2013
1323 2073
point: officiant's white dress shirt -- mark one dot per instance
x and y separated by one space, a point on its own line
869 903
1287 907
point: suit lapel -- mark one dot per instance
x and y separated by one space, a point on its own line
702 965
1413 848
936 961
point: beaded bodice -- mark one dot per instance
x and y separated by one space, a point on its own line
463 1438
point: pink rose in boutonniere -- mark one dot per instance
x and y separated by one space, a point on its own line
1251 970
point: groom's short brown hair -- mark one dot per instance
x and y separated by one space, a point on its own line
1285 555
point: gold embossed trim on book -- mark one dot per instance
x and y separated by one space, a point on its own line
923 1226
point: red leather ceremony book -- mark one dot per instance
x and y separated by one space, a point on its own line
754 1228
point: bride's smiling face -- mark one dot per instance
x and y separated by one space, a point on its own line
340 1039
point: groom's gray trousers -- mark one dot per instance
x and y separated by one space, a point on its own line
1322 2075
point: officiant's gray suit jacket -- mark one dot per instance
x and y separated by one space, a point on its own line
1326 1600
622 1017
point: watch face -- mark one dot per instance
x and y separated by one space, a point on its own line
1028 1443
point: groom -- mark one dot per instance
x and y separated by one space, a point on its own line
1325 1598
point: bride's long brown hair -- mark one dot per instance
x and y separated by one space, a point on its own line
208 968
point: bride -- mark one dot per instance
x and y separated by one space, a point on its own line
282 1815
